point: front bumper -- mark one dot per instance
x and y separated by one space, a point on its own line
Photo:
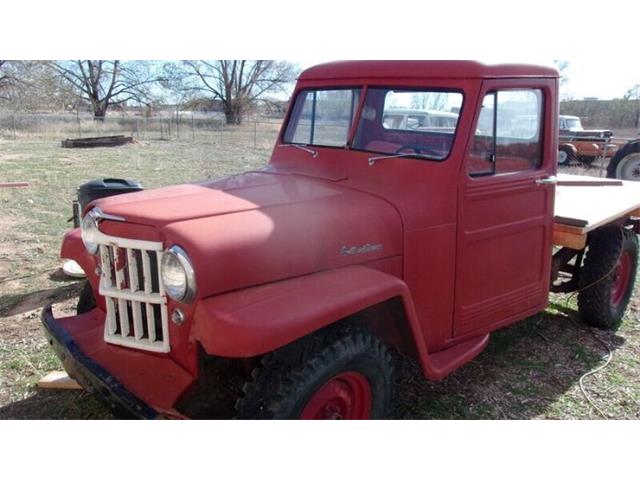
129 391
90 375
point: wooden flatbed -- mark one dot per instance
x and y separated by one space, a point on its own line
583 204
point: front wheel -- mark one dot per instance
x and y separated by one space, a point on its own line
565 156
342 373
608 276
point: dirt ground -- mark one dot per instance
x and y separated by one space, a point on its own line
530 370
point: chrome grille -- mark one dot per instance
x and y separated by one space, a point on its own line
134 296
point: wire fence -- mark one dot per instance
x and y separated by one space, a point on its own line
257 132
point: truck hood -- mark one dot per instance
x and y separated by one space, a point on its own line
261 227
248 191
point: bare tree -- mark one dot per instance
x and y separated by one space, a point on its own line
3 74
6 77
562 66
27 85
104 83
633 95
238 84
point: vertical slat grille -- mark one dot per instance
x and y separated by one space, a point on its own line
135 301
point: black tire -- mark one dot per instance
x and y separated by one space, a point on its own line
86 301
288 378
596 303
568 156
630 148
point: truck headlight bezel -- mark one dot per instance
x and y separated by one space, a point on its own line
177 275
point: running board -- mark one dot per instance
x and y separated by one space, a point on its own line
442 363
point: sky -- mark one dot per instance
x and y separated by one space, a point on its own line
600 40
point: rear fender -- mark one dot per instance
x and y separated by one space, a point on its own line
258 320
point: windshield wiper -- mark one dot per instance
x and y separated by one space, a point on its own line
311 151
374 160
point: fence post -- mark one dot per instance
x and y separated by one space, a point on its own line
255 134
193 129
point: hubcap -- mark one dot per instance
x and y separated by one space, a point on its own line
629 168
345 397
621 277
562 157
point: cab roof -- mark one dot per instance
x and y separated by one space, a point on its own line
364 69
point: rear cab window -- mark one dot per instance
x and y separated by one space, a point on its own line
418 123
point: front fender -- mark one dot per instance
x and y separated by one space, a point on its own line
261 319
73 248
570 146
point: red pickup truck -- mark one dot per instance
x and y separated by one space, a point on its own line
281 293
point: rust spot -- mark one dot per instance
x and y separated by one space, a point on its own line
120 265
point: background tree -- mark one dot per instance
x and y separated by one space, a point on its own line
104 83
7 78
28 86
633 95
238 84
562 66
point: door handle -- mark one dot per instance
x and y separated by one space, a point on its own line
547 181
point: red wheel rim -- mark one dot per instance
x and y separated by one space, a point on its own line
345 397
621 277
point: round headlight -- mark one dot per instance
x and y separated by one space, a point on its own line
89 229
177 275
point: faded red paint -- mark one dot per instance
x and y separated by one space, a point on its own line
465 255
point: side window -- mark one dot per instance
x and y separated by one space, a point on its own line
508 136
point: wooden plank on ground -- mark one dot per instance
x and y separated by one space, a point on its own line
112 141
14 185
58 381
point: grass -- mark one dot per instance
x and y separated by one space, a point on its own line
530 370
32 223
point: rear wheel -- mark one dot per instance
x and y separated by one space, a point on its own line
608 277
343 372
622 162
629 168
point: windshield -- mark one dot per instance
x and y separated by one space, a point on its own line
419 123
573 124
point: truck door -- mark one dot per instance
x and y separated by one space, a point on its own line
505 218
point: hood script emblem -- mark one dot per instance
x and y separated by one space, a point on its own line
368 248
